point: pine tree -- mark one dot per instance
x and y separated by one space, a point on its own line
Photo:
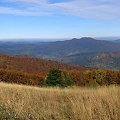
58 78
54 77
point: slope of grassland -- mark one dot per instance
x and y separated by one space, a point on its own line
19 102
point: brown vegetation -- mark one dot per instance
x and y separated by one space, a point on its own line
32 71
32 65
31 103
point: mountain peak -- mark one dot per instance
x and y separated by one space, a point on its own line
87 38
84 38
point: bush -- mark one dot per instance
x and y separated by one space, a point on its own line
56 77
99 77
66 80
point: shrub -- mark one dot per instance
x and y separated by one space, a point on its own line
56 77
99 77
66 80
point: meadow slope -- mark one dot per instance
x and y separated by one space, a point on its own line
19 102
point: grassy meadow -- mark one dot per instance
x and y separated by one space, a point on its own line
19 102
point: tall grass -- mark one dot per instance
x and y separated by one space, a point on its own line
31 103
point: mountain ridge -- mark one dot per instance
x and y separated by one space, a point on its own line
59 50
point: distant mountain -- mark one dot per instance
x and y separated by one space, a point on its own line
100 60
108 38
117 41
83 45
74 51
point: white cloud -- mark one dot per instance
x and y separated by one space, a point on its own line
98 9
28 1
30 12
101 9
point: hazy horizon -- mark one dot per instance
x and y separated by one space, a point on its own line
56 39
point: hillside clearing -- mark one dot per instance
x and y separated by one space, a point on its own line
19 102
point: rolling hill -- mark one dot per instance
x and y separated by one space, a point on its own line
107 60
36 48
32 65
117 41
75 51
33 71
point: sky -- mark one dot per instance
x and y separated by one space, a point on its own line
59 18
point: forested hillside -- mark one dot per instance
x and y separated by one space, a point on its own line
107 60
33 71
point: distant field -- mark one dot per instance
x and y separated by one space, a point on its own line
31 103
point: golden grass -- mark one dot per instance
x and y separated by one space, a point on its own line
19 102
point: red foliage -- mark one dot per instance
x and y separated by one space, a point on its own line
32 71
20 77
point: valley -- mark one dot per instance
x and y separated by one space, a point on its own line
81 51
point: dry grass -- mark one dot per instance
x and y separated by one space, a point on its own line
32 103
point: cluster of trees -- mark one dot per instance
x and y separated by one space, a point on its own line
34 71
97 77
57 77
10 76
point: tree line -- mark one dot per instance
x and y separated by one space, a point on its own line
62 78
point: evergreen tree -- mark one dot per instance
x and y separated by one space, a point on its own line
54 77
58 78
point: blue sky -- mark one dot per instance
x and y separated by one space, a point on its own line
59 18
